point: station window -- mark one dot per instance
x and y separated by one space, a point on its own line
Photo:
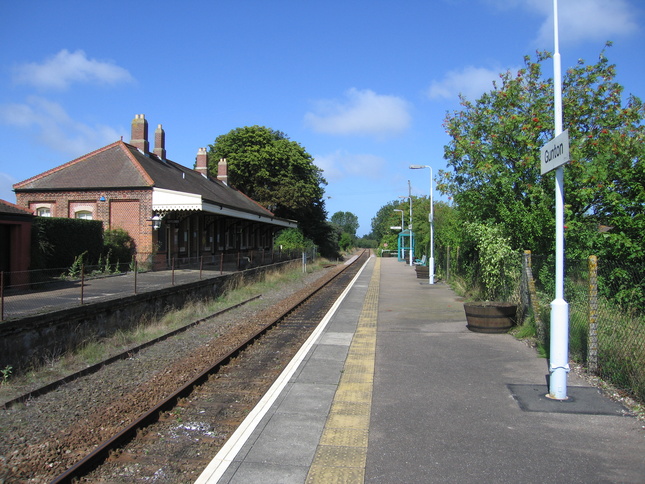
44 212
83 214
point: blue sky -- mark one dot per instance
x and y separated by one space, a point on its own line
364 86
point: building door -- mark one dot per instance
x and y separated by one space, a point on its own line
5 252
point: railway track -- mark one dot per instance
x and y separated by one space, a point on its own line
171 435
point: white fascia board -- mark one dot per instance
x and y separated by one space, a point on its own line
219 209
165 200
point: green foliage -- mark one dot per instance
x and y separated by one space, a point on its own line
6 374
494 250
385 218
56 242
118 247
265 165
494 162
75 269
346 241
347 221
292 239
366 243
280 175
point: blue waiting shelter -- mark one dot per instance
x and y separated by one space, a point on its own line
405 245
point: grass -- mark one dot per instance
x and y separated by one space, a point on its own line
93 352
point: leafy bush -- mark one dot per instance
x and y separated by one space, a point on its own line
494 252
291 239
57 242
118 247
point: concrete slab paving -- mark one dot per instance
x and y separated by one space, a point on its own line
447 405
443 409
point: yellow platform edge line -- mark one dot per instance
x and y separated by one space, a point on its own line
342 451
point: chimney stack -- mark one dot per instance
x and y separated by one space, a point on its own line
201 165
222 171
160 143
140 133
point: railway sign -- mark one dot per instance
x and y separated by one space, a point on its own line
555 153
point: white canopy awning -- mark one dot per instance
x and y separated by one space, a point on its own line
164 200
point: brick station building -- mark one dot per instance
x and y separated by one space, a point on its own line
171 212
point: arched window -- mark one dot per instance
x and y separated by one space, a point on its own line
44 212
83 214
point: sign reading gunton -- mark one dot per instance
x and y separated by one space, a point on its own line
555 153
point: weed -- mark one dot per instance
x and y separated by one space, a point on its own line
92 352
6 374
58 364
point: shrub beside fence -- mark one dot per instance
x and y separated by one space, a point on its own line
606 311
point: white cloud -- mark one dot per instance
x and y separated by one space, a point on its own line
578 20
6 187
340 164
65 68
586 20
362 112
470 81
52 127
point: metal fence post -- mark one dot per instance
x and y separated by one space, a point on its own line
136 270
1 295
82 282
540 330
592 356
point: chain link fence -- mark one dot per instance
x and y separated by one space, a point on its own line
606 309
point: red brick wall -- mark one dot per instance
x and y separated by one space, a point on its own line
128 209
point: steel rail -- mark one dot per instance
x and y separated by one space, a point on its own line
120 356
102 451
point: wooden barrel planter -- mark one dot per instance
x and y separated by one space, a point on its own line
490 317
423 272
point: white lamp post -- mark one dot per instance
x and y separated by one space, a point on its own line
559 344
431 220
409 197
400 257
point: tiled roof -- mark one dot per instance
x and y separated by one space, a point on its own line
10 208
109 167
173 176
121 165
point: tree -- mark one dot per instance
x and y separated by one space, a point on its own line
386 218
291 239
347 221
277 173
495 166
346 241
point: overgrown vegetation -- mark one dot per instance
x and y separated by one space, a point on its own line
57 242
148 329
503 205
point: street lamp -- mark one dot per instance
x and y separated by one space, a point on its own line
400 256
431 220
398 210
409 197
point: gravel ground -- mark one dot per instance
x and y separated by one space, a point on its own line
37 437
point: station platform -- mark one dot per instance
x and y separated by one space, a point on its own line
393 388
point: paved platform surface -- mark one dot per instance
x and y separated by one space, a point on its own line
394 389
